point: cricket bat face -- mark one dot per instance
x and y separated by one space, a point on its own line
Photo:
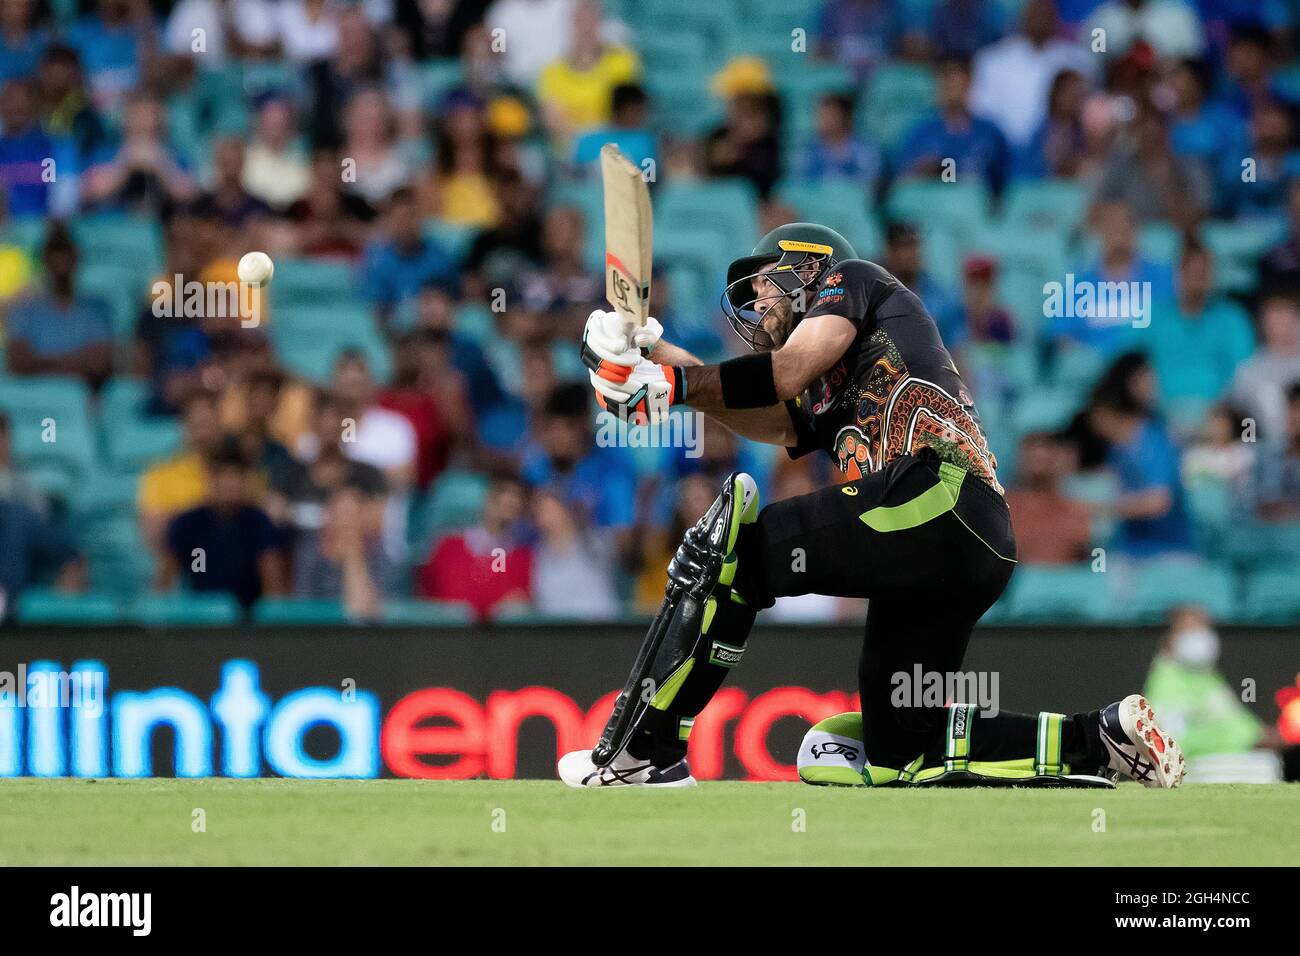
628 237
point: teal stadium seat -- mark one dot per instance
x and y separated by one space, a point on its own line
128 241
681 102
455 501
1021 292
1041 594
672 49
1237 248
47 606
959 209
119 562
840 204
298 611
1160 242
184 609
1055 206
301 283
133 444
1043 410
1272 596
123 288
896 96
310 343
1152 588
728 206
50 421
417 613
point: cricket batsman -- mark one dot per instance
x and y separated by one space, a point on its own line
847 360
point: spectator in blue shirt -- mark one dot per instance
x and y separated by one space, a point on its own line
835 152
861 34
32 550
226 545
598 482
397 266
954 141
1274 163
1107 325
21 39
1197 341
109 42
1200 127
628 129
26 152
1151 508
58 332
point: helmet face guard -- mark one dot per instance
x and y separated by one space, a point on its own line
798 269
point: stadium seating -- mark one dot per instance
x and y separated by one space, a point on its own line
298 611
50 419
46 606
164 610
1152 588
840 205
1272 596
1047 593
895 97
427 613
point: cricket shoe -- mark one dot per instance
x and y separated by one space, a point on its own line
578 770
1138 748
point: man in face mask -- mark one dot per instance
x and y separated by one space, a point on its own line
1196 701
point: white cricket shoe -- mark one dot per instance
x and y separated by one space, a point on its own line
578 770
1138 748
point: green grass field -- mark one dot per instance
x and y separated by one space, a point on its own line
392 822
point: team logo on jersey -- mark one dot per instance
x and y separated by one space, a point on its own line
852 452
835 278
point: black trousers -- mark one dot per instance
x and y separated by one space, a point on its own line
931 548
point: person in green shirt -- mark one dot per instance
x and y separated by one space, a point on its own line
1196 702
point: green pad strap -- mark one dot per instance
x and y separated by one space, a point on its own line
956 755
1047 759
684 725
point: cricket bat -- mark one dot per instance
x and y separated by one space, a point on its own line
629 237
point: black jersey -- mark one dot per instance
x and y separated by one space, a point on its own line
895 390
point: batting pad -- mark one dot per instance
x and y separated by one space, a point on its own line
831 753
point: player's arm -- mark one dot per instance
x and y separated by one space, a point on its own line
766 379
770 425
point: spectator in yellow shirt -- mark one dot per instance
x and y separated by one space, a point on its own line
576 91
181 482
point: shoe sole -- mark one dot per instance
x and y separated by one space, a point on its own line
1138 720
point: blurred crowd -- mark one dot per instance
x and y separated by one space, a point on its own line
423 430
